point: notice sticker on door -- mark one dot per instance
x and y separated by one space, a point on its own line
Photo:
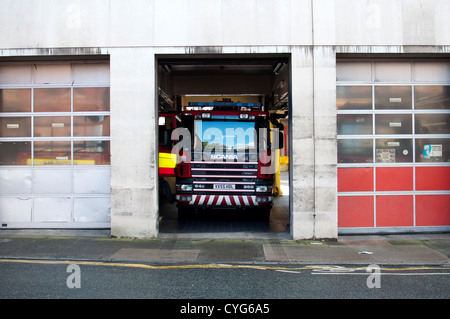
393 144
432 150
395 124
385 155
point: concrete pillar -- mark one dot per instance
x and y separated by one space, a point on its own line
325 166
302 145
313 147
134 200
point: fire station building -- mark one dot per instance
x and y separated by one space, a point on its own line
364 87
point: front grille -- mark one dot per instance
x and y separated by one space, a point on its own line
221 177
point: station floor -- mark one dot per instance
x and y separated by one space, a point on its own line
228 221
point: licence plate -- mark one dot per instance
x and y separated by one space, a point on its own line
224 186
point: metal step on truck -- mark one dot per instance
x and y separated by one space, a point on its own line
224 157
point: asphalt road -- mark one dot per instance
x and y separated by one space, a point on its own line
47 280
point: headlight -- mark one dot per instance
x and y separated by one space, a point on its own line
261 189
186 187
183 198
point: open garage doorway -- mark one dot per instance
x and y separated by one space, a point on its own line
229 78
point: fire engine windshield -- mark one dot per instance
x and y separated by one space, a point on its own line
222 136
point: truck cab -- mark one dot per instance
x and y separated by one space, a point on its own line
226 158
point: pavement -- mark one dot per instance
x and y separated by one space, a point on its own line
231 248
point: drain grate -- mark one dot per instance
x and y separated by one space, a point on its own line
274 251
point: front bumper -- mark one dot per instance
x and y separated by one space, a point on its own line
222 201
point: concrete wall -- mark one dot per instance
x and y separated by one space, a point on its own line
312 31
134 171
118 23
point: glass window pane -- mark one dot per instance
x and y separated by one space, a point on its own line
354 124
91 126
354 97
15 126
432 123
52 100
216 135
393 97
90 99
432 97
393 124
52 153
52 126
433 150
15 153
393 150
355 151
91 153
15 100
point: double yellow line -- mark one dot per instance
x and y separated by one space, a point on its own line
329 268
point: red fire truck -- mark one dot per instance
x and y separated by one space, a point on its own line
167 123
225 158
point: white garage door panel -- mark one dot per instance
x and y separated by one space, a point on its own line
354 71
86 74
15 75
52 209
92 209
432 72
55 74
389 72
92 181
15 210
15 181
52 181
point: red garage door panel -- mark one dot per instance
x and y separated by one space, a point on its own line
395 211
355 179
394 178
432 178
433 210
355 211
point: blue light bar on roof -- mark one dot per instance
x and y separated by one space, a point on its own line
230 104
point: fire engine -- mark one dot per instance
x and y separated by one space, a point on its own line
167 123
224 157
